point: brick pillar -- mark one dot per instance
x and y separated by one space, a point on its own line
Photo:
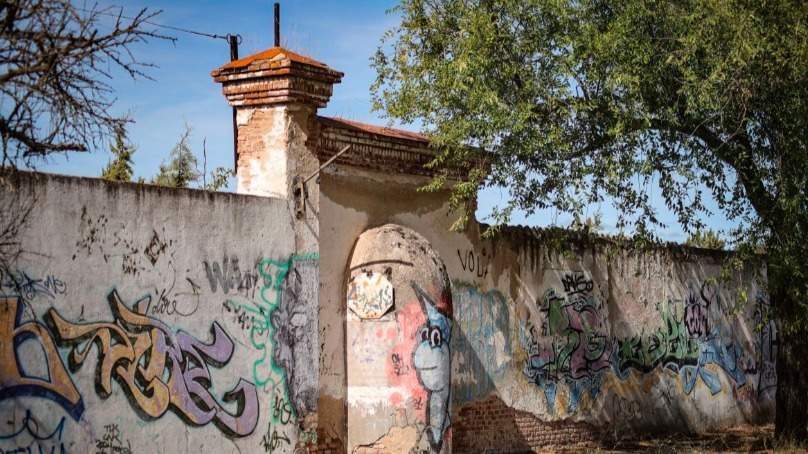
276 94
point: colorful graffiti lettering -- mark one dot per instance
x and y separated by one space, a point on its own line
674 347
56 386
573 345
482 343
432 361
140 352
41 440
670 346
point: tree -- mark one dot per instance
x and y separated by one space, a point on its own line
54 60
182 167
580 102
706 239
120 168
218 179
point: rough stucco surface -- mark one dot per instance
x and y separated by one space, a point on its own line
142 319
564 344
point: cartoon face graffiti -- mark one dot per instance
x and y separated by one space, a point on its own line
433 362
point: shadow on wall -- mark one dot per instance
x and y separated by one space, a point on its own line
695 370
486 424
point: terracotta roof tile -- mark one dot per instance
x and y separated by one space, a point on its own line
373 129
269 54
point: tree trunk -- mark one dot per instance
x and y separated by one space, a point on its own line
791 420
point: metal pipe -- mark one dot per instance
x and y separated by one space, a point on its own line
277 24
326 164
233 39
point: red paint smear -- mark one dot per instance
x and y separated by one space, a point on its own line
410 319
379 333
396 399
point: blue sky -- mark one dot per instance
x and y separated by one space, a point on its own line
343 34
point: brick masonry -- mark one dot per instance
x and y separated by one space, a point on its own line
490 426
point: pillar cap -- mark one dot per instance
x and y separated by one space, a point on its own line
276 76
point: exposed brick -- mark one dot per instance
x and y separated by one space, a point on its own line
491 426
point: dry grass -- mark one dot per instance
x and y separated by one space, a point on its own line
750 439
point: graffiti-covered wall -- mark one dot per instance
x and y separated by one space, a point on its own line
143 319
608 338
553 340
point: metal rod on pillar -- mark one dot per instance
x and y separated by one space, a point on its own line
277 24
233 39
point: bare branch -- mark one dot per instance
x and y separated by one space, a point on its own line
55 61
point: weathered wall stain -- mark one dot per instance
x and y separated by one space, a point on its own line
482 346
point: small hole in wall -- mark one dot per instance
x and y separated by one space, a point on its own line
388 272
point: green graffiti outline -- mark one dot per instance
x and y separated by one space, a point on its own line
262 325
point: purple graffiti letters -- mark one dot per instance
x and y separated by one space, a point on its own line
14 382
696 314
138 350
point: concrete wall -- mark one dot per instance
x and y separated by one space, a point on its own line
144 319
553 342
611 341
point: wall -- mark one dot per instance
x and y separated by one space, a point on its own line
613 341
145 319
553 341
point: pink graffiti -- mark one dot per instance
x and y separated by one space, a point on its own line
140 352
410 319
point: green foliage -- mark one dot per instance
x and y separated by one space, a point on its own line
707 239
182 168
590 102
584 102
219 178
120 168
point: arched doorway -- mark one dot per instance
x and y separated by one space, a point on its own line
399 323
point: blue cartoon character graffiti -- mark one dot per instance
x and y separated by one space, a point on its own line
433 362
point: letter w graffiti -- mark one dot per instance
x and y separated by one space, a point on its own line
57 386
